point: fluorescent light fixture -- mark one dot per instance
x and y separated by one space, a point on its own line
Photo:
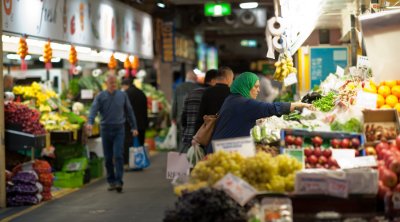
54 59
248 43
16 57
248 5
161 5
82 49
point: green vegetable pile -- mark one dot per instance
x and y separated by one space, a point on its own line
326 103
352 126
294 116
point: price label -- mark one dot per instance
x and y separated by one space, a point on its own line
338 187
243 145
86 94
236 188
339 71
290 79
311 184
177 165
366 100
363 62
357 162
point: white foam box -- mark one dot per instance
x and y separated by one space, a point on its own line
362 181
315 181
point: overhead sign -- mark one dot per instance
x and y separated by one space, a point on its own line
101 24
220 9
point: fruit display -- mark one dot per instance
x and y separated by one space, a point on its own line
40 94
284 67
153 94
326 103
206 204
55 121
388 93
377 132
268 130
23 117
264 172
320 158
273 150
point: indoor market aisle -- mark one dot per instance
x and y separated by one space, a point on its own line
146 196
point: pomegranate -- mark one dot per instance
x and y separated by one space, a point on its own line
308 152
317 152
322 160
312 159
389 178
317 141
345 143
327 153
289 140
298 141
335 143
355 142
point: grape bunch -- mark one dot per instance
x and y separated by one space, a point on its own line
22 115
216 166
189 187
287 165
259 169
206 204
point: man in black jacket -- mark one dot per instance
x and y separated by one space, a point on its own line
214 97
138 102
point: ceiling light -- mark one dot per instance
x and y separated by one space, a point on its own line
161 4
248 5
17 57
54 59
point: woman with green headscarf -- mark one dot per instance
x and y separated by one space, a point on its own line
240 110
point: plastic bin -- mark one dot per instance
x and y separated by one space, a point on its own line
69 180
96 167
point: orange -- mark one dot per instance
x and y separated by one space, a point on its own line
390 83
398 82
391 100
386 107
370 88
384 90
397 106
396 91
380 102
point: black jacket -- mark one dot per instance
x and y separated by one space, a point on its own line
211 101
139 104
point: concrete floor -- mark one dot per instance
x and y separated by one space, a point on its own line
146 196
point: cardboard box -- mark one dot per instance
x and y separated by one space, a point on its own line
387 118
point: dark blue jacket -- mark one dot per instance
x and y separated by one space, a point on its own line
239 114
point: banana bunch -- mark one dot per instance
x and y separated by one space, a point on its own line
284 66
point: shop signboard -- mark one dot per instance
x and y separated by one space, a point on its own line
101 24
168 42
324 60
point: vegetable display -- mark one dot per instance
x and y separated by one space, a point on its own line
352 125
326 103
20 115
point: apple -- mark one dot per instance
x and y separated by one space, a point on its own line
298 141
308 152
322 160
317 141
395 165
382 190
389 178
289 139
345 143
355 142
370 151
398 141
317 152
327 153
332 161
381 146
335 143
312 159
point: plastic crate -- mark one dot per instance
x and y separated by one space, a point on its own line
66 152
69 180
16 140
96 167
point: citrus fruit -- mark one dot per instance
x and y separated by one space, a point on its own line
391 100
386 107
398 82
370 88
397 106
380 102
384 91
396 91
390 83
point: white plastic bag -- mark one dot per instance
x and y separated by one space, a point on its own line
170 141
195 154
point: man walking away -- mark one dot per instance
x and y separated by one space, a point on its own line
214 97
138 101
191 108
177 102
114 108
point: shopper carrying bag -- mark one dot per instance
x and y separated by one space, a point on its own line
138 158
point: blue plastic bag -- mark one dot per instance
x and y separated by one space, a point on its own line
138 158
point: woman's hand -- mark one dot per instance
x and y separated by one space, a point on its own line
300 105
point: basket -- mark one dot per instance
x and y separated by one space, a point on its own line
69 180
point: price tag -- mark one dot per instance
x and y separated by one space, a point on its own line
357 162
290 79
236 188
243 145
366 100
339 71
86 94
338 187
311 184
363 62
177 165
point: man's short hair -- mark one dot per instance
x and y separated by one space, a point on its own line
210 75
126 82
223 72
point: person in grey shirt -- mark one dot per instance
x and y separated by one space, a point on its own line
114 108
178 101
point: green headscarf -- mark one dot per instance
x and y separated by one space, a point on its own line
244 83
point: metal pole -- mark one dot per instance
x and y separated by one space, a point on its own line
2 148
363 10
353 41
